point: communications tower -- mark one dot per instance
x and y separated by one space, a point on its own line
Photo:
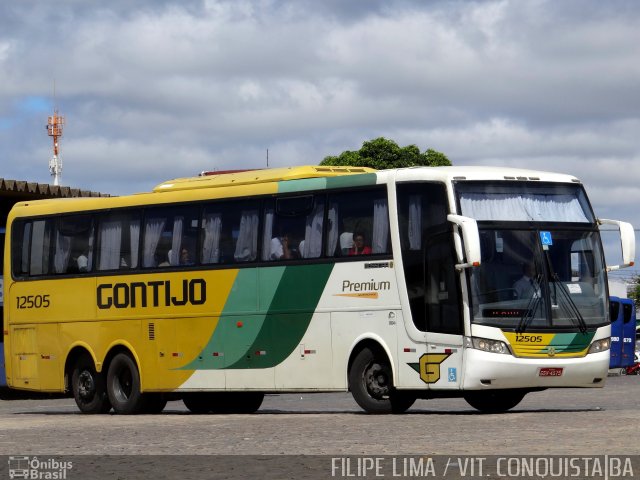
55 125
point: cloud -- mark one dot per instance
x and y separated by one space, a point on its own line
155 90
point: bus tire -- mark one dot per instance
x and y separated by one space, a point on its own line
371 384
123 385
89 387
401 401
237 402
494 401
153 403
198 403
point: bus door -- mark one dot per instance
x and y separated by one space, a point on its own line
443 314
628 331
433 288
617 321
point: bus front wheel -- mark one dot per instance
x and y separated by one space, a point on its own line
89 387
238 402
494 401
123 385
198 403
371 384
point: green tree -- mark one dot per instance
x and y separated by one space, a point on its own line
634 291
381 153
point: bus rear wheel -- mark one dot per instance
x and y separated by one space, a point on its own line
371 384
494 401
89 387
153 403
123 385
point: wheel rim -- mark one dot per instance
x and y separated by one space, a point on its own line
376 380
86 386
123 383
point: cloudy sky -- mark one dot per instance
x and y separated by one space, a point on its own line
153 90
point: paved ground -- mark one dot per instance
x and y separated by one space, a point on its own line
554 422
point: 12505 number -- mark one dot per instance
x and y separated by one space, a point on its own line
529 338
33 301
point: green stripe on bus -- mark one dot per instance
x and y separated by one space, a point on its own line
259 339
299 292
571 342
306 184
344 181
240 322
360 180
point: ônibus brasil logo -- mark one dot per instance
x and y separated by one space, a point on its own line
36 469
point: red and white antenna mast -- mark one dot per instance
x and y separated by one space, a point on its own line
55 125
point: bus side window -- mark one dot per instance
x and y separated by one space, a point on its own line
118 240
229 232
20 241
73 237
361 216
39 248
293 228
167 232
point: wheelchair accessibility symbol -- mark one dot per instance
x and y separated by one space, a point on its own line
453 374
545 238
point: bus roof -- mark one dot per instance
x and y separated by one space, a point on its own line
257 176
282 180
481 173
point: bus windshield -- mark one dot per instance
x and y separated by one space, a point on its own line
542 264
539 279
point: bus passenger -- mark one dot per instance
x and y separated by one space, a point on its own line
359 247
280 248
83 263
185 257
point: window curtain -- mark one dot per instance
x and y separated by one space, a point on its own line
25 248
313 232
39 248
212 226
152 232
415 222
134 234
61 255
527 207
90 252
380 226
334 226
176 241
267 234
110 245
247 244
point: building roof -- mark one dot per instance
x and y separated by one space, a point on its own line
23 190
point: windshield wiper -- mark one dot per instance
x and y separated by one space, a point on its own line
573 310
534 302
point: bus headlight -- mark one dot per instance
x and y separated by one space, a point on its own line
487 345
600 345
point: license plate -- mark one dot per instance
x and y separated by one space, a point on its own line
550 372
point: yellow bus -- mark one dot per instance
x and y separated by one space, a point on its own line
395 285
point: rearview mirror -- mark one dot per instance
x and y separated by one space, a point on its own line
470 238
627 241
